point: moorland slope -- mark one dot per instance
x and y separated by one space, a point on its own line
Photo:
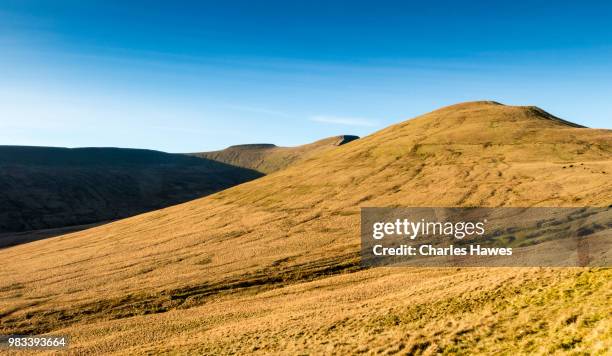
272 265
267 158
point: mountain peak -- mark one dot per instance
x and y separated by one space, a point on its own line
492 113
472 104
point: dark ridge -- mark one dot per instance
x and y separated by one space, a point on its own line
51 156
250 146
546 115
344 139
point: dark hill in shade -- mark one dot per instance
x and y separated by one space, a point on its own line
50 187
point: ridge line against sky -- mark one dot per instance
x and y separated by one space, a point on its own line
197 76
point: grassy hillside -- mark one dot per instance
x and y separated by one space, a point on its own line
272 265
47 187
268 158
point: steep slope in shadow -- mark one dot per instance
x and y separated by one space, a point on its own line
268 158
272 265
47 187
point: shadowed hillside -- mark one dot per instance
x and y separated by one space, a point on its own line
47 187
268 158
272 265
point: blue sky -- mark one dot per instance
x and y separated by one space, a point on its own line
186 76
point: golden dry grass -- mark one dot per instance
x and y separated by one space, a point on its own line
384 310
272 265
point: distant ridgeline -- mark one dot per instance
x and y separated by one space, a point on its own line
268 158
48 187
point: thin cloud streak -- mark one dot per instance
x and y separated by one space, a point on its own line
343 120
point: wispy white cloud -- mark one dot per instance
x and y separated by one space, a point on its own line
343 120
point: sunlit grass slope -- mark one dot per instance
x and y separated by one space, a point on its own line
272 265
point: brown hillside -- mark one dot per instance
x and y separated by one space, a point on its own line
272 265
268 158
